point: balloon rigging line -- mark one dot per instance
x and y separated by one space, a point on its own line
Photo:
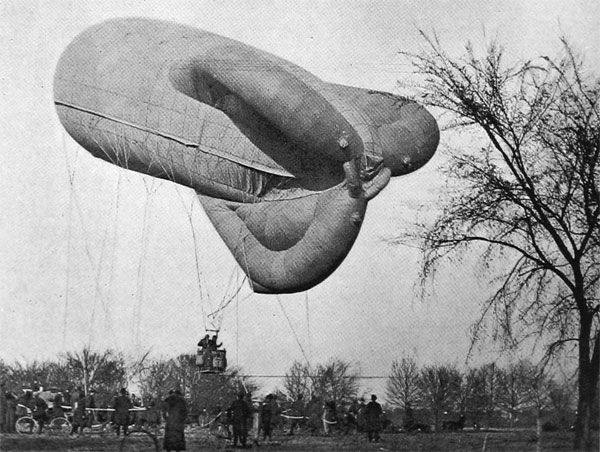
137 309
308 326
98 273
97 288
199 274
293 331
231 299
112 258
247 270
71 177
234 275
190 213
99 268
215 322
224 303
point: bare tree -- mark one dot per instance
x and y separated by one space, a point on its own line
211 392
515 394
297 381
105 371
402 385
482 401
529 200
561 398
156 378
542 385
335 381
439 386
35 374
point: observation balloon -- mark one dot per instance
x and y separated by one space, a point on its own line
283 162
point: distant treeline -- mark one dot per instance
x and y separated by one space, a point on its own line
517 395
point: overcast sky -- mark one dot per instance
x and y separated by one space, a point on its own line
91 254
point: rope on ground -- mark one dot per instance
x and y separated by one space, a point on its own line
214 418
292 417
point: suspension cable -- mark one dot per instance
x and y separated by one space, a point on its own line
202 289
293 330
98 293
141 273
71 177
308 327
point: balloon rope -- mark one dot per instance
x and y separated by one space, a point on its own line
98 293
293 331
71 176
113 249
230 299
137 310
201 288
198 271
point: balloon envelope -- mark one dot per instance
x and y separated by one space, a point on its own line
283 162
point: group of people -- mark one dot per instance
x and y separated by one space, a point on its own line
45 405
207 357
248 418
42 405
209 344
359 416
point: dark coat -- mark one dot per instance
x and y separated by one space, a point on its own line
79 412
175 413
239 412
373 414
39 409
122 404
266 414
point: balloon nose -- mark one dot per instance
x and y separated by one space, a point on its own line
411 141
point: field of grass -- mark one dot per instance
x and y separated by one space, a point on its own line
199 440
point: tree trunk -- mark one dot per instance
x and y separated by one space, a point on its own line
587 385
538 429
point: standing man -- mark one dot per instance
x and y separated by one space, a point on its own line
266 415
78 407
203 353
204 343
90 406
373 414
239 412
213 344
175 414
122 404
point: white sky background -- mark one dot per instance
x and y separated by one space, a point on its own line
77 268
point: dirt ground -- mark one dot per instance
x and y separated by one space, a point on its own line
199 440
